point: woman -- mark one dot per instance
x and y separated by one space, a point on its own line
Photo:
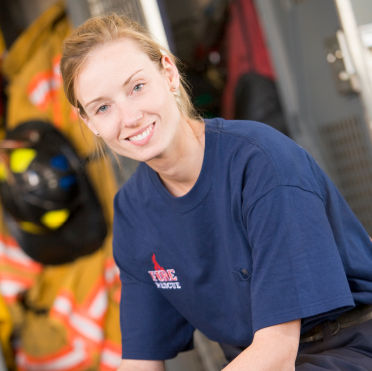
226 226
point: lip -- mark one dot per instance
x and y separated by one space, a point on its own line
146 139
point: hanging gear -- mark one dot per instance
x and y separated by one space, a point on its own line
51 208
85 291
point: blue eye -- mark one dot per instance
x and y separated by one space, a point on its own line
102 108
138 87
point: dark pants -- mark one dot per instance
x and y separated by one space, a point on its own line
348 350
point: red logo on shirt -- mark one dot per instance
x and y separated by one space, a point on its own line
164 278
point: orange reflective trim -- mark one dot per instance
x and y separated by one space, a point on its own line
72 357
111 271
63 305
117 295
11 254
87 328
8 240
12 284
84 328
57 112
77 321
41 89
110 356
99 305
114 347
10 276
9 290
95 305
56 63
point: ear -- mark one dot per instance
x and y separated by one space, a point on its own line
171 72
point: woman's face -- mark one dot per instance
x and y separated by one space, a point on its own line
128 99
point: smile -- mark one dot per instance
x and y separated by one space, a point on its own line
143 137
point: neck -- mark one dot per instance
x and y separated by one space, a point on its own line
179 169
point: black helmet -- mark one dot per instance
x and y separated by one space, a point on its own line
50 206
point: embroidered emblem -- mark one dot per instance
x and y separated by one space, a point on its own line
164 278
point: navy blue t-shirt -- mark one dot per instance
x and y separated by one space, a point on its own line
262 238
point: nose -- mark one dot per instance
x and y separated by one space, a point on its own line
130 116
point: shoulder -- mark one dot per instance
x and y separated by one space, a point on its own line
254 133
264 150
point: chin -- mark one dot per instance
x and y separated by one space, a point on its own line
144 157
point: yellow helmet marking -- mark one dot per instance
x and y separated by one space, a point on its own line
21 158
55 218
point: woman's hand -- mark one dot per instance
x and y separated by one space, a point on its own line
273 348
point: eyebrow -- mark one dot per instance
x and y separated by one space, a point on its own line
126 82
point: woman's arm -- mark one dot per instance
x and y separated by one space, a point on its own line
273 348
140 365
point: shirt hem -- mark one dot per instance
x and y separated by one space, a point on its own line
309 311
154 355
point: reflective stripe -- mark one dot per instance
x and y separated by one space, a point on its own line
64 308
110 360
57 68
10 289
44 85
14 255
70 358
112 277
110 356
112 272
86 327
62 305
11 285
17 270
43 89
99 305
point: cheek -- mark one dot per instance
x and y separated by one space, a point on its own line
159 96
157 101
164 103
107 126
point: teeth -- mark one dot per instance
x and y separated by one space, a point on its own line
141 136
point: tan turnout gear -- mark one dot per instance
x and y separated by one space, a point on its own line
65 317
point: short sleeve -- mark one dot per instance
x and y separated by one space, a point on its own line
151 328
297 270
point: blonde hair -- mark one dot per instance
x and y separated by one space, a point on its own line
102 29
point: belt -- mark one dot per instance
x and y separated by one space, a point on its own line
355 316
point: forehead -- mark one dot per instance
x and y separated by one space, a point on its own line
115 60
125 52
